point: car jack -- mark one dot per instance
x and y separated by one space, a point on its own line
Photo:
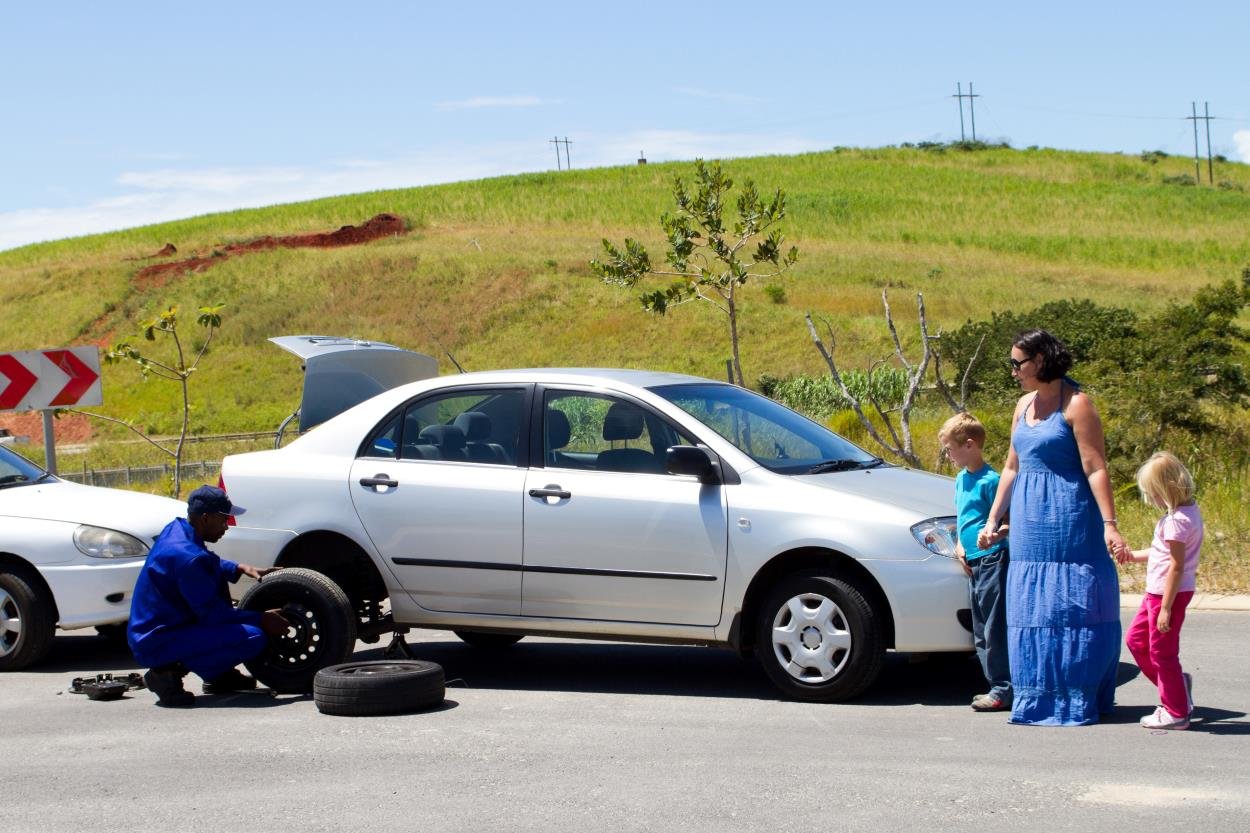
399 647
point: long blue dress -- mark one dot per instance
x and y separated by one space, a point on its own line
1063 592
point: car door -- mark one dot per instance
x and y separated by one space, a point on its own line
438 486
609 535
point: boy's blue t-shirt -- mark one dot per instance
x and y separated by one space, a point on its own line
974 495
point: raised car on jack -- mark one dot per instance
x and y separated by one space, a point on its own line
605 504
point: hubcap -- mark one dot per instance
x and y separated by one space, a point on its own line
811 638
10 624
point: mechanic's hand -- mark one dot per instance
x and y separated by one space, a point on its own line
273 623
255 572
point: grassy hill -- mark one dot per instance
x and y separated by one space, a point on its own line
496 271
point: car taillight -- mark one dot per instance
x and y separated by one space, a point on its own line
221 484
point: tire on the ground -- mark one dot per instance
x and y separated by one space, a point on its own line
357 689
323 631
24 601
858 616
489 641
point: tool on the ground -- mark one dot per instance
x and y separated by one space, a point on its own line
106 686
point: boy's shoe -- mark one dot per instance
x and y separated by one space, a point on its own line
991 702
166 683
1189 690
232 680
1162 719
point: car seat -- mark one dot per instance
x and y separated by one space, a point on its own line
448 439
478 447
624 422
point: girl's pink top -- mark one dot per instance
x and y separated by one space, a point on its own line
1184 525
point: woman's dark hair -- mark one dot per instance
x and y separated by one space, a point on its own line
1056 360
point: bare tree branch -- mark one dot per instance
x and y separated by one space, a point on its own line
124 423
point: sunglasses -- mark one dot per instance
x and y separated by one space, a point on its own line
1016 364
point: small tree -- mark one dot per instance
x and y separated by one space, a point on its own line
177 369
900 442
706 258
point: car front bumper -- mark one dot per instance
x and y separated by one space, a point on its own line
98 593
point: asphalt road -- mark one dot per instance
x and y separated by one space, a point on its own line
558 735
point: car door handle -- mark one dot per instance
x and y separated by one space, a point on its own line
551 491
379 480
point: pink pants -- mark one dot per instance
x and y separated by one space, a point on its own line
1158 654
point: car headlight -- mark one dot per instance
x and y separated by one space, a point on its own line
937 535
98 542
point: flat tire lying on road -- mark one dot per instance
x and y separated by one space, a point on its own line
322 632
372 688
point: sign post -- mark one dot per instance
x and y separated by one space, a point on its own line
44 380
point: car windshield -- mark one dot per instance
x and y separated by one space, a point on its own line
16 470
773 435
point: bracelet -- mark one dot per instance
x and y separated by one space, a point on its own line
1110 522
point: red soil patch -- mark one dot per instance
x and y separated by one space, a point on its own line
69 428
383 225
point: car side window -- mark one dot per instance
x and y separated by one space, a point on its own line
602 433
478 426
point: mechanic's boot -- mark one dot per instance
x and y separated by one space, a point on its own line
166 683
232 680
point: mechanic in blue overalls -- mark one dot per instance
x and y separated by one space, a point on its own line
181 616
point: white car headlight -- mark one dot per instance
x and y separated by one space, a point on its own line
937 535
98 542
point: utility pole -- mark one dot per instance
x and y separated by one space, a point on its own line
568 163
1198 165
555 140
1206 110
961 95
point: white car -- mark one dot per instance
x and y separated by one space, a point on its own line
69 555
605 504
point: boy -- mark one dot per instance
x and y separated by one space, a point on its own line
963 438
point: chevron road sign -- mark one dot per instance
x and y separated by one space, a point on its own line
36 380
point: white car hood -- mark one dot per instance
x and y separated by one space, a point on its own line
132 512
929 495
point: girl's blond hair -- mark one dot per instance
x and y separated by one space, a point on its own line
1164 481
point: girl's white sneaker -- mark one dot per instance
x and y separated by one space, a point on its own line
1161 719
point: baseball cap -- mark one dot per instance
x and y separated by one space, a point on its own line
209 499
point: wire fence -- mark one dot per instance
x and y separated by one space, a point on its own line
205 470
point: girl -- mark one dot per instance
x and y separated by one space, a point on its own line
1171 565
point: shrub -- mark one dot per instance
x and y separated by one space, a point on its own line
820 396
775 292
1180 179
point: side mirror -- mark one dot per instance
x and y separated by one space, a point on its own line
690 459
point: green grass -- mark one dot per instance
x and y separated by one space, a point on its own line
496 271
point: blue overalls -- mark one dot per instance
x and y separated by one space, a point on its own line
181 610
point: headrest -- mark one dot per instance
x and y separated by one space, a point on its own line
475 425
445 437
623 422
557 429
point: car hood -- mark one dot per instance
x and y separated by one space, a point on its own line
929 495
136 513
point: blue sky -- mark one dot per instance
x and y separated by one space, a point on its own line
125 113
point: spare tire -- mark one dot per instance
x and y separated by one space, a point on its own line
322 632
383 687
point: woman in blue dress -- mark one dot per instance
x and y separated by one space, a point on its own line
1063 592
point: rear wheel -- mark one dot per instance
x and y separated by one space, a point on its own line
27 619
819 638
489 641
322 632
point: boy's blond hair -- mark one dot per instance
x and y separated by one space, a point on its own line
962 427
1164 481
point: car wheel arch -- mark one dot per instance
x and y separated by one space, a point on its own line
12 561
340 559
805 559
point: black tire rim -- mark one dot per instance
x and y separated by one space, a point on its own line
299 647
